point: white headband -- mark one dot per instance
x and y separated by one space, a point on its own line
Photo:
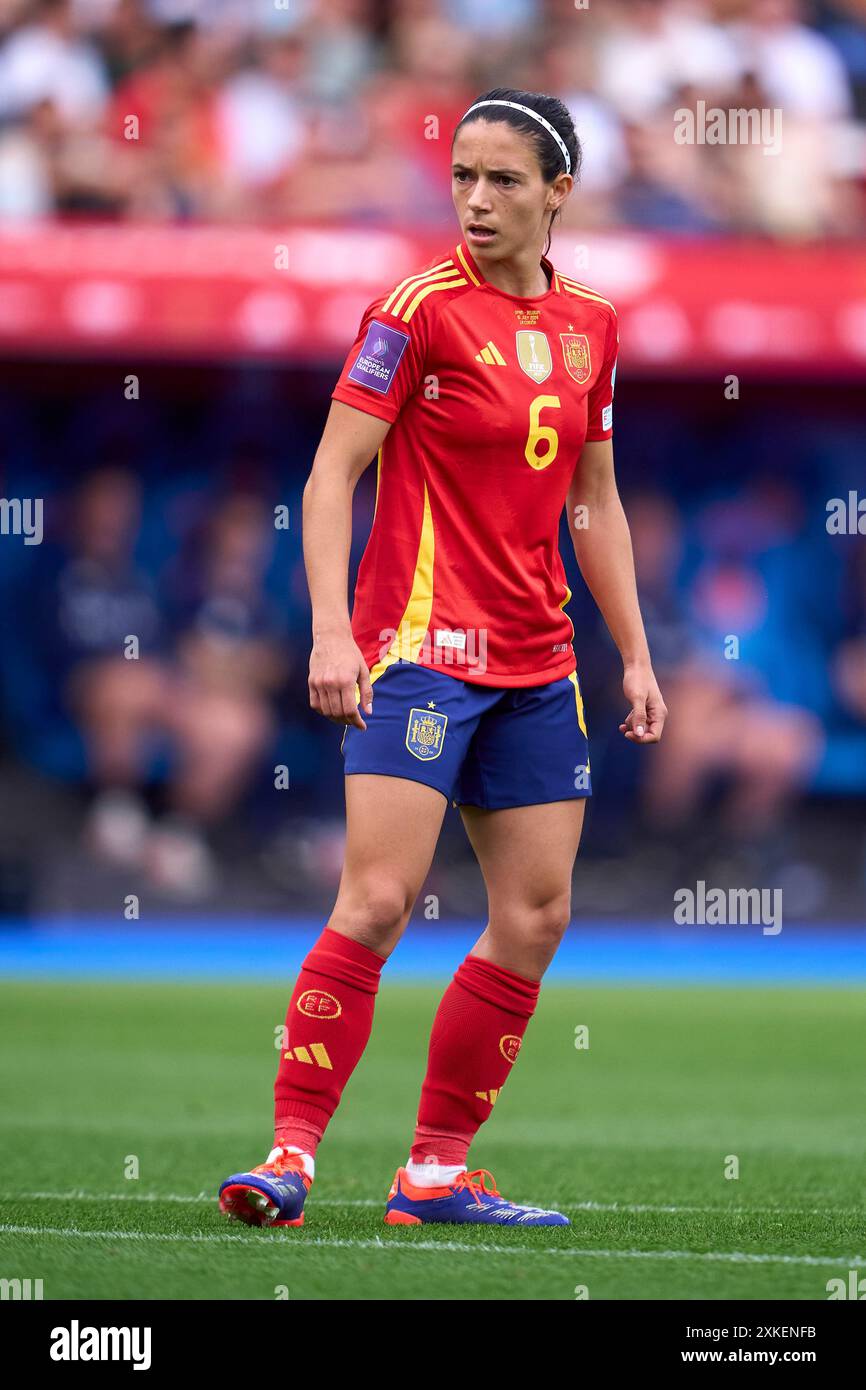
527 110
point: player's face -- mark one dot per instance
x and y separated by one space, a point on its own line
501 198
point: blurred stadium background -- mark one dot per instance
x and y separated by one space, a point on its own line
177 293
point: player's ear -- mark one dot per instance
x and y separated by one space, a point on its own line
561 189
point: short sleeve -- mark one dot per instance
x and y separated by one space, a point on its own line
385 365
600 399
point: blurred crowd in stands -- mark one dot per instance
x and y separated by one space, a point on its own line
268 110
154 647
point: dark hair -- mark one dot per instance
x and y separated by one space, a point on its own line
549 154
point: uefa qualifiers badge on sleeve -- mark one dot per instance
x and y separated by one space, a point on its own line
379 358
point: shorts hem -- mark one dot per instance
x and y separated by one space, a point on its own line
512 805
401 776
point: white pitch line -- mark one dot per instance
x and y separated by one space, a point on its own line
626 1208
454 1247
206 1198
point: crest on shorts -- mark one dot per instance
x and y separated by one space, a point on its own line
533 353
425 734
576 356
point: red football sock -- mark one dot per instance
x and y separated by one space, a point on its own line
476 1037
328 1023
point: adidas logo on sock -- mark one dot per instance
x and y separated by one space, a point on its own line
319 1058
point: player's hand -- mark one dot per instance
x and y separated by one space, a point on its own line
646 718
337 669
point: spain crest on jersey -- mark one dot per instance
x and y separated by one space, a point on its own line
425 733
575 354
533 353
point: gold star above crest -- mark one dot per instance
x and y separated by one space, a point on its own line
571 328
430 704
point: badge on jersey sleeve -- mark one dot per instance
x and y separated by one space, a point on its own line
425 733
533 353
576 356
379 358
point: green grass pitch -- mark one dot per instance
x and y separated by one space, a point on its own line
629 1136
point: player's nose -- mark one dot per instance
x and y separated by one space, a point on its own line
480 197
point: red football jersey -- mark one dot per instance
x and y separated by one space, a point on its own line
492 396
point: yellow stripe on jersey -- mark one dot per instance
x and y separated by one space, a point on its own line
378 479
406 285
573 674
566 600
578 701
450 275
583 292
467 267
428 289
579 285
415 621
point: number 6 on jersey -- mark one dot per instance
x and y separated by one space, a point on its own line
538 432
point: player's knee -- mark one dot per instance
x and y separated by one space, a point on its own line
542 925
553 919
376 908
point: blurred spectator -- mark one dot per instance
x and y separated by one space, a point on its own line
92 609
185 684
798 68
27 187
229 660
656 193
845 27
48 60
260 123
340 50
735 723
489 18
570 69
850 661
653 50
174 157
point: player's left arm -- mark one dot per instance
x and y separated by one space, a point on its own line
602 546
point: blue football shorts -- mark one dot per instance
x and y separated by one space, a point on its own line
478 745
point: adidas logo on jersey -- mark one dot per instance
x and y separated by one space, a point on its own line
491 355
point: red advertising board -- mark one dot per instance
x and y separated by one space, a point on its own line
296 295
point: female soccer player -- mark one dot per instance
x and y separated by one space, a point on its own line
484 384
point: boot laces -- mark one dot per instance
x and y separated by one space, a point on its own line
285 1162
477 1185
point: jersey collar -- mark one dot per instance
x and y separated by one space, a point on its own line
472 270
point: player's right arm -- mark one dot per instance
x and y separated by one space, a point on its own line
382 370
350 441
